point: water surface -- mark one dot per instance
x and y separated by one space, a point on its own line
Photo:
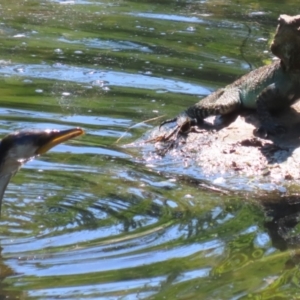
94 220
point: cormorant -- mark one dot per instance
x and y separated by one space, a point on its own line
20 147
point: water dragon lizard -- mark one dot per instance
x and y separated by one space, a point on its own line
267 88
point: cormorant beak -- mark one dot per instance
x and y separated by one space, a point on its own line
19 147
57 137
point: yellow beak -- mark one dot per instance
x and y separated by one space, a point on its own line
57 137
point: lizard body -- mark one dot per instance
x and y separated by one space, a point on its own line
268 88
271 87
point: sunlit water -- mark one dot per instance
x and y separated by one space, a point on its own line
94 220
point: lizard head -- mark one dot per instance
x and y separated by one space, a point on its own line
286 43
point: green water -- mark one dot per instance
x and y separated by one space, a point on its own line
94 220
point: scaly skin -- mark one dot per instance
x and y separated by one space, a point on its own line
268 88
271 87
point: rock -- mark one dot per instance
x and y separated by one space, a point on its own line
232 155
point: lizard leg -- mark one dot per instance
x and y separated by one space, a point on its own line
267 100
221 102
197 112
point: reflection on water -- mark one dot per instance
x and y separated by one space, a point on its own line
92 219
102 79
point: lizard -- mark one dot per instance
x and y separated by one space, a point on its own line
271 87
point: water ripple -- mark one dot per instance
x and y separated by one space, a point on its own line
176 18
99 261
108 44
85 75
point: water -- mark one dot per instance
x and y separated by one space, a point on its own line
94 220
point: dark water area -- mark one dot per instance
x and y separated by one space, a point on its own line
93 219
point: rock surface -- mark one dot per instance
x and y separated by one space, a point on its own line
232 154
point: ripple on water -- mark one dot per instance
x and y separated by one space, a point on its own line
82 233
108 44
114 78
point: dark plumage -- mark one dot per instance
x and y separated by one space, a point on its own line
19 147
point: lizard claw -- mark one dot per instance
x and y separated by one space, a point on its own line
183 125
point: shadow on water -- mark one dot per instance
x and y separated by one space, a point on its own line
283 226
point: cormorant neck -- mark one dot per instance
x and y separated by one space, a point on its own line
4 180
8 168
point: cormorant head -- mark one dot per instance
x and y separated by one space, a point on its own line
19 147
